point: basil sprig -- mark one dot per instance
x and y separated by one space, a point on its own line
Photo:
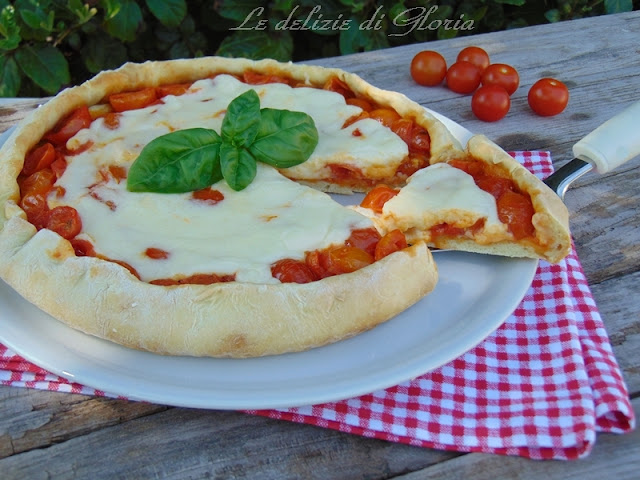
195 158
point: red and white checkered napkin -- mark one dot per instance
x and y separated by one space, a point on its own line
541 386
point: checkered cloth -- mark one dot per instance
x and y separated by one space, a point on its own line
540 386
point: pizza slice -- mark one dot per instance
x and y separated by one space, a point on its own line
479 201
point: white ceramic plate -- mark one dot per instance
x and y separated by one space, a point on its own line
474 295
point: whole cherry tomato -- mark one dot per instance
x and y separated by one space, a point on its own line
428 68
548 97
65 221
463 77
490 103
475 55
501 74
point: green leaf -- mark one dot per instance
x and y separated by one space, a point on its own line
82 11
9 77
238 166
256 44
618 6
45 65
242 120
169 12
517 3
34 16
178 162
124 24
285 138
249 10
553 15
111 8
101 52
9 29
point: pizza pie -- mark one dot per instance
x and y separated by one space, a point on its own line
153 207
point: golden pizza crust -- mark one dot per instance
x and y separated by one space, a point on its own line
222 320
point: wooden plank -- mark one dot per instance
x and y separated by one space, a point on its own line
181 443
611 459
618 297
31 419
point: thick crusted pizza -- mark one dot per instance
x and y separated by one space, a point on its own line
179 207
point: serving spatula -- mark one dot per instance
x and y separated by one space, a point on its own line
607 147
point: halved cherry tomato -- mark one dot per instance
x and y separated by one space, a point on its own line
515 209
501 74
428 68
472 167
412 164
377 197
69 126
344 172
83 248
38 182
317 262
490 103
360 102
334 84
40 158
416 137
391 242
254 78
463 77
494 185
548 97
364 238
121 102
385 116
289 270
175 89
36 207
65 221
59 165
347 259
475 55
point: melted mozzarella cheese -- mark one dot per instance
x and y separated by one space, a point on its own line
244 234
273 218
439 194
376 150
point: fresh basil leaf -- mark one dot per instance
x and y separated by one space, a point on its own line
241 122
238 166
178 162
284 138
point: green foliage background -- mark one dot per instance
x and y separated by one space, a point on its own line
46 45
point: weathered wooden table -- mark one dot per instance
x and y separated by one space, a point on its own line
60 435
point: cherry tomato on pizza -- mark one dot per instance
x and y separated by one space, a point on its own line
428 68
501 74
548 97
475 55
65 221
463 77
69 126
490 103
